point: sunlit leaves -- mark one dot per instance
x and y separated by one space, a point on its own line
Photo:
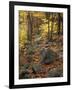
42 23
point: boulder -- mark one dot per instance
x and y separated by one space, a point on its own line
55 72
47 56
24 74
36 68
23 71
26 66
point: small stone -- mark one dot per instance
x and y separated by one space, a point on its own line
36 68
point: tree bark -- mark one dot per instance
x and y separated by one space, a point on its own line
47 17
52 27
58 24
29 26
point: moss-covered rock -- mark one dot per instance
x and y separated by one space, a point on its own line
36 68
55 72
47 56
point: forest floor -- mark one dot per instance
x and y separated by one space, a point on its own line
42 60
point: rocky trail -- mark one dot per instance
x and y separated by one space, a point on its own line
44 60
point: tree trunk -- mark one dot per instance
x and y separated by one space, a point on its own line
47 17
29 26
51 27
58 24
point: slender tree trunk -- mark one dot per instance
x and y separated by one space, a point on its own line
47 17
58 24
52 27
48 29
62 24
29 27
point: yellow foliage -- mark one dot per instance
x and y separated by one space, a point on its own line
44 28
22 37
47 24
21 13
